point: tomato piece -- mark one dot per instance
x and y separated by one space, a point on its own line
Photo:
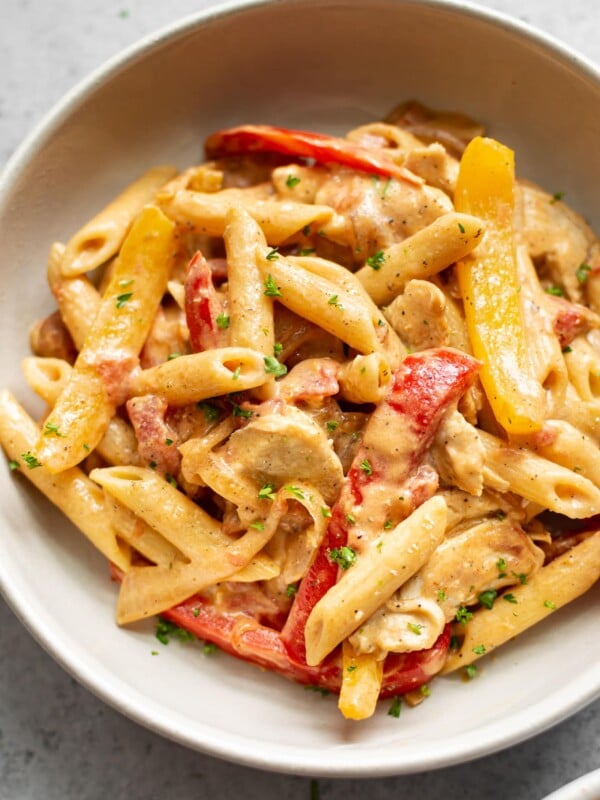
202 305
317 146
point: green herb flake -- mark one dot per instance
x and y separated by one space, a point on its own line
425 690
556 197
461 227
500 515
479 650
30 460
582 272
13 465
123 298
395 708
522 577
318 689
415 628
334 300
306 251
196 612
211 413
343 556
350 519
152 465
325 512
51 429
170 479
274 367
567 349
267 492
171 356
223 321
331 425
376 260
555 290
291 181
277 349
271 288
501 567
441 595
454 643
510 598
351 668
258 525
291 590
488 597
306 230
294 490
238 411
471 671
208 648
550 604
236 373
366 467
463 615
388 525
273 254
86 447
168 442
167 630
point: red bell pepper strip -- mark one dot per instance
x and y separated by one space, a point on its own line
317 146
245 638
202 306
424 386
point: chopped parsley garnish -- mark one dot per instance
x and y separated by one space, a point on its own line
86 447
325 512
425 690
567 349
487 598
510 598
271 288
318 689
500 514
274 367
208 648
334 300
394 710
258 525
168 442
501 567
238 411
555 290
236 373
267 492
13 465
51 429
291 590
479 650
171 356
454 643
521 576
550 604
376 260
441 595
463 615
298 493
273 254
461 227
351 668
30 460
123 298
583 272
557 196
153 465
366 467
223 321
196 612
343 556
306 251
292 181
277 349
471 671
211 413
350 519
331 425
165 630
170 479
415 628
388 525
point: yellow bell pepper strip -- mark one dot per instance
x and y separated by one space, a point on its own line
362 675
490 288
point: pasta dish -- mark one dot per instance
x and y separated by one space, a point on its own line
330 404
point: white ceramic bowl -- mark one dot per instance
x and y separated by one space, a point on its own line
325 65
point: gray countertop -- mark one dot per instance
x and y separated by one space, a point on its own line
57 741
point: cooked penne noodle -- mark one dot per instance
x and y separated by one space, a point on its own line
365 379
77 298
427 252
101 237
198 376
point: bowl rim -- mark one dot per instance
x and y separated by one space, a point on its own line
283 759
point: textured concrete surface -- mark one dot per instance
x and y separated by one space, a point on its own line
58 742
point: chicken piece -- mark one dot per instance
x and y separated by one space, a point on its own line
373 213
418 316
435 166
167 338
452 130
458 453
282 448
559 240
